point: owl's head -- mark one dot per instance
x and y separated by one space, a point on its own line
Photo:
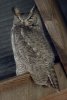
28 20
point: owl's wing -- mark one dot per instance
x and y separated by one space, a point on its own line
53 78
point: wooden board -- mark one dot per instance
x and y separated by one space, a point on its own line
23 88
58 96
55 26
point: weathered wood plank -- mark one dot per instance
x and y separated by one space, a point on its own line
58 96
23 88
22 79
14 82
55 26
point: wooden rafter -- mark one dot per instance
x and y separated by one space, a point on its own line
55 25
57 96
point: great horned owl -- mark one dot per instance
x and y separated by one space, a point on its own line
31 49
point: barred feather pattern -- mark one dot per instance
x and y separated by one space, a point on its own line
32 51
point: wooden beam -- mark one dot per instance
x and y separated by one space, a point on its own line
55 26
23 84
14 82
56 96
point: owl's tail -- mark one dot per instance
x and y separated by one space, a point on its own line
53 79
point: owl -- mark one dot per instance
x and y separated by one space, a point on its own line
32 52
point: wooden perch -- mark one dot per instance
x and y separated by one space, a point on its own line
55 25
58 96
23 88
14 82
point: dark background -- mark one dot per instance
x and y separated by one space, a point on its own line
7 64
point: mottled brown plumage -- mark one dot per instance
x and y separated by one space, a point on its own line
32 51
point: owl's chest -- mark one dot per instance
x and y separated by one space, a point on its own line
32 44
30 38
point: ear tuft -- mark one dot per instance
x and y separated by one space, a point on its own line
13 10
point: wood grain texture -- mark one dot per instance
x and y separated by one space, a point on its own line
55 26
14 82
23 88
58 96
